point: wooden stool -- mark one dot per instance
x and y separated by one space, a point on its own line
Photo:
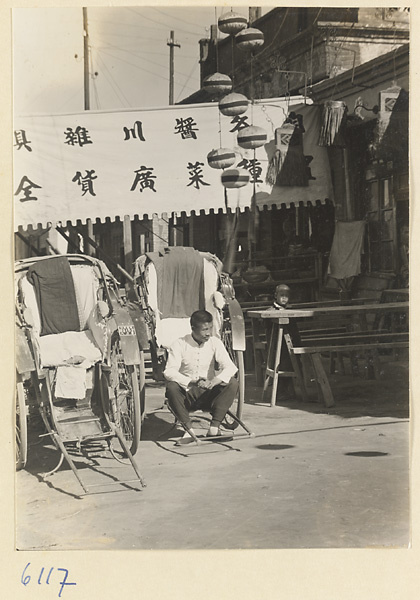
273 361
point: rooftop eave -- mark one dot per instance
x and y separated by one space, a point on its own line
392 65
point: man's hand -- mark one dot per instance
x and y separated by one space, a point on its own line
209 384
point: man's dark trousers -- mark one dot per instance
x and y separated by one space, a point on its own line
217 401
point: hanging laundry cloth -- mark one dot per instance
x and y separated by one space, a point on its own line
346 249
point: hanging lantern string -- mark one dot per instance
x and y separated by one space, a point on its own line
286 75
220 129
232 61
252 87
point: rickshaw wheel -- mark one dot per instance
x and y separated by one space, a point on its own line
21 427
125 396
238 358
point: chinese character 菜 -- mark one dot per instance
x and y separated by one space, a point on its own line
26 186
85 182
79 136
21 141
135 132
186 128
144 178
196 174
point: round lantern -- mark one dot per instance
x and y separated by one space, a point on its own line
233 104
221 158
252 137
249 39
217 83
235 178
232 23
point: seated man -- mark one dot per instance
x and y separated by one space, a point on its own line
200 374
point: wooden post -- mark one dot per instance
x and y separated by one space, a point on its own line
90 250
349 207
191 220
128 243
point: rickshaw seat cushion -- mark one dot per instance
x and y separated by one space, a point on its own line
57 349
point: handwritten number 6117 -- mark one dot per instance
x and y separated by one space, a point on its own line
26 579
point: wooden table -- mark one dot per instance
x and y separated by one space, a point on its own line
283 317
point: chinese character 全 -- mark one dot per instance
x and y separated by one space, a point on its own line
26 189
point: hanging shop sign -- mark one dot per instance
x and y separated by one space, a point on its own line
98 165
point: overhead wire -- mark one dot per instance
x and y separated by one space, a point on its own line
172 17
115 87
95 89
189 77
141 68
159 22
147 59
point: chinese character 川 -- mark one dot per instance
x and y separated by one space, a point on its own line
79 136
21 141
186 128
134 132
196 174
86 182
144 178
26 189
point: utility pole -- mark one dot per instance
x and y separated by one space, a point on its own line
171 43
86 58
89 225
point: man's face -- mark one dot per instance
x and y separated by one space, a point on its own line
202 333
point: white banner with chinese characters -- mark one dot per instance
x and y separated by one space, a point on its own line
94 165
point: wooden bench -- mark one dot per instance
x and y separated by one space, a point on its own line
349 346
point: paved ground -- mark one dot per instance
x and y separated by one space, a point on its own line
310 478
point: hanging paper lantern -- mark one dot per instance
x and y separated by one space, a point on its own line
217 83
249 39
221 158
252 137
235 178
232 23
233 104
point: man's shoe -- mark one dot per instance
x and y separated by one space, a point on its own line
218 435
186 439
